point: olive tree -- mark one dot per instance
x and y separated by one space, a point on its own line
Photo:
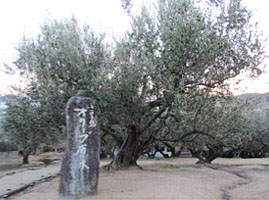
179 50
223 129
25 126
209 126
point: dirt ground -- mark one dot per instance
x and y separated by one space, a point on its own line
176 179
13 163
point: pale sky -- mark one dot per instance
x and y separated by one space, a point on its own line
19 17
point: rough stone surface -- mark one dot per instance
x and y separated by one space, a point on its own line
80 165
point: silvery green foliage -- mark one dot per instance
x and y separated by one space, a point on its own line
181 51
181 48
126 5
62 59
62 55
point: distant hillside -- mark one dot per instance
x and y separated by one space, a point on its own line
254 97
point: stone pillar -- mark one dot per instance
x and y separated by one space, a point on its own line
80 165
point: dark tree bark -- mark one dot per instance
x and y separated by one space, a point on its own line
127 156
196 154
212 155
175 154
132 147
25 157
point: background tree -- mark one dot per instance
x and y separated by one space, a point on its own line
25 128
208 126
257 144
223 129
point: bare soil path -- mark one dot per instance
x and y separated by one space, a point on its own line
255 185
21 180
175 179
15 177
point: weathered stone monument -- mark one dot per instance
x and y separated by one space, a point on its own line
80 165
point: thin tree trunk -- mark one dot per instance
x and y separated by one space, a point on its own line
175 154
25 158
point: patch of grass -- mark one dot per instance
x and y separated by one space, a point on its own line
170 167
10 167
156 165
161 158
185 156
43 157
266 166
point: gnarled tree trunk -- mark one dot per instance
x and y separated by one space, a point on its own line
127 155
212 155
132 147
